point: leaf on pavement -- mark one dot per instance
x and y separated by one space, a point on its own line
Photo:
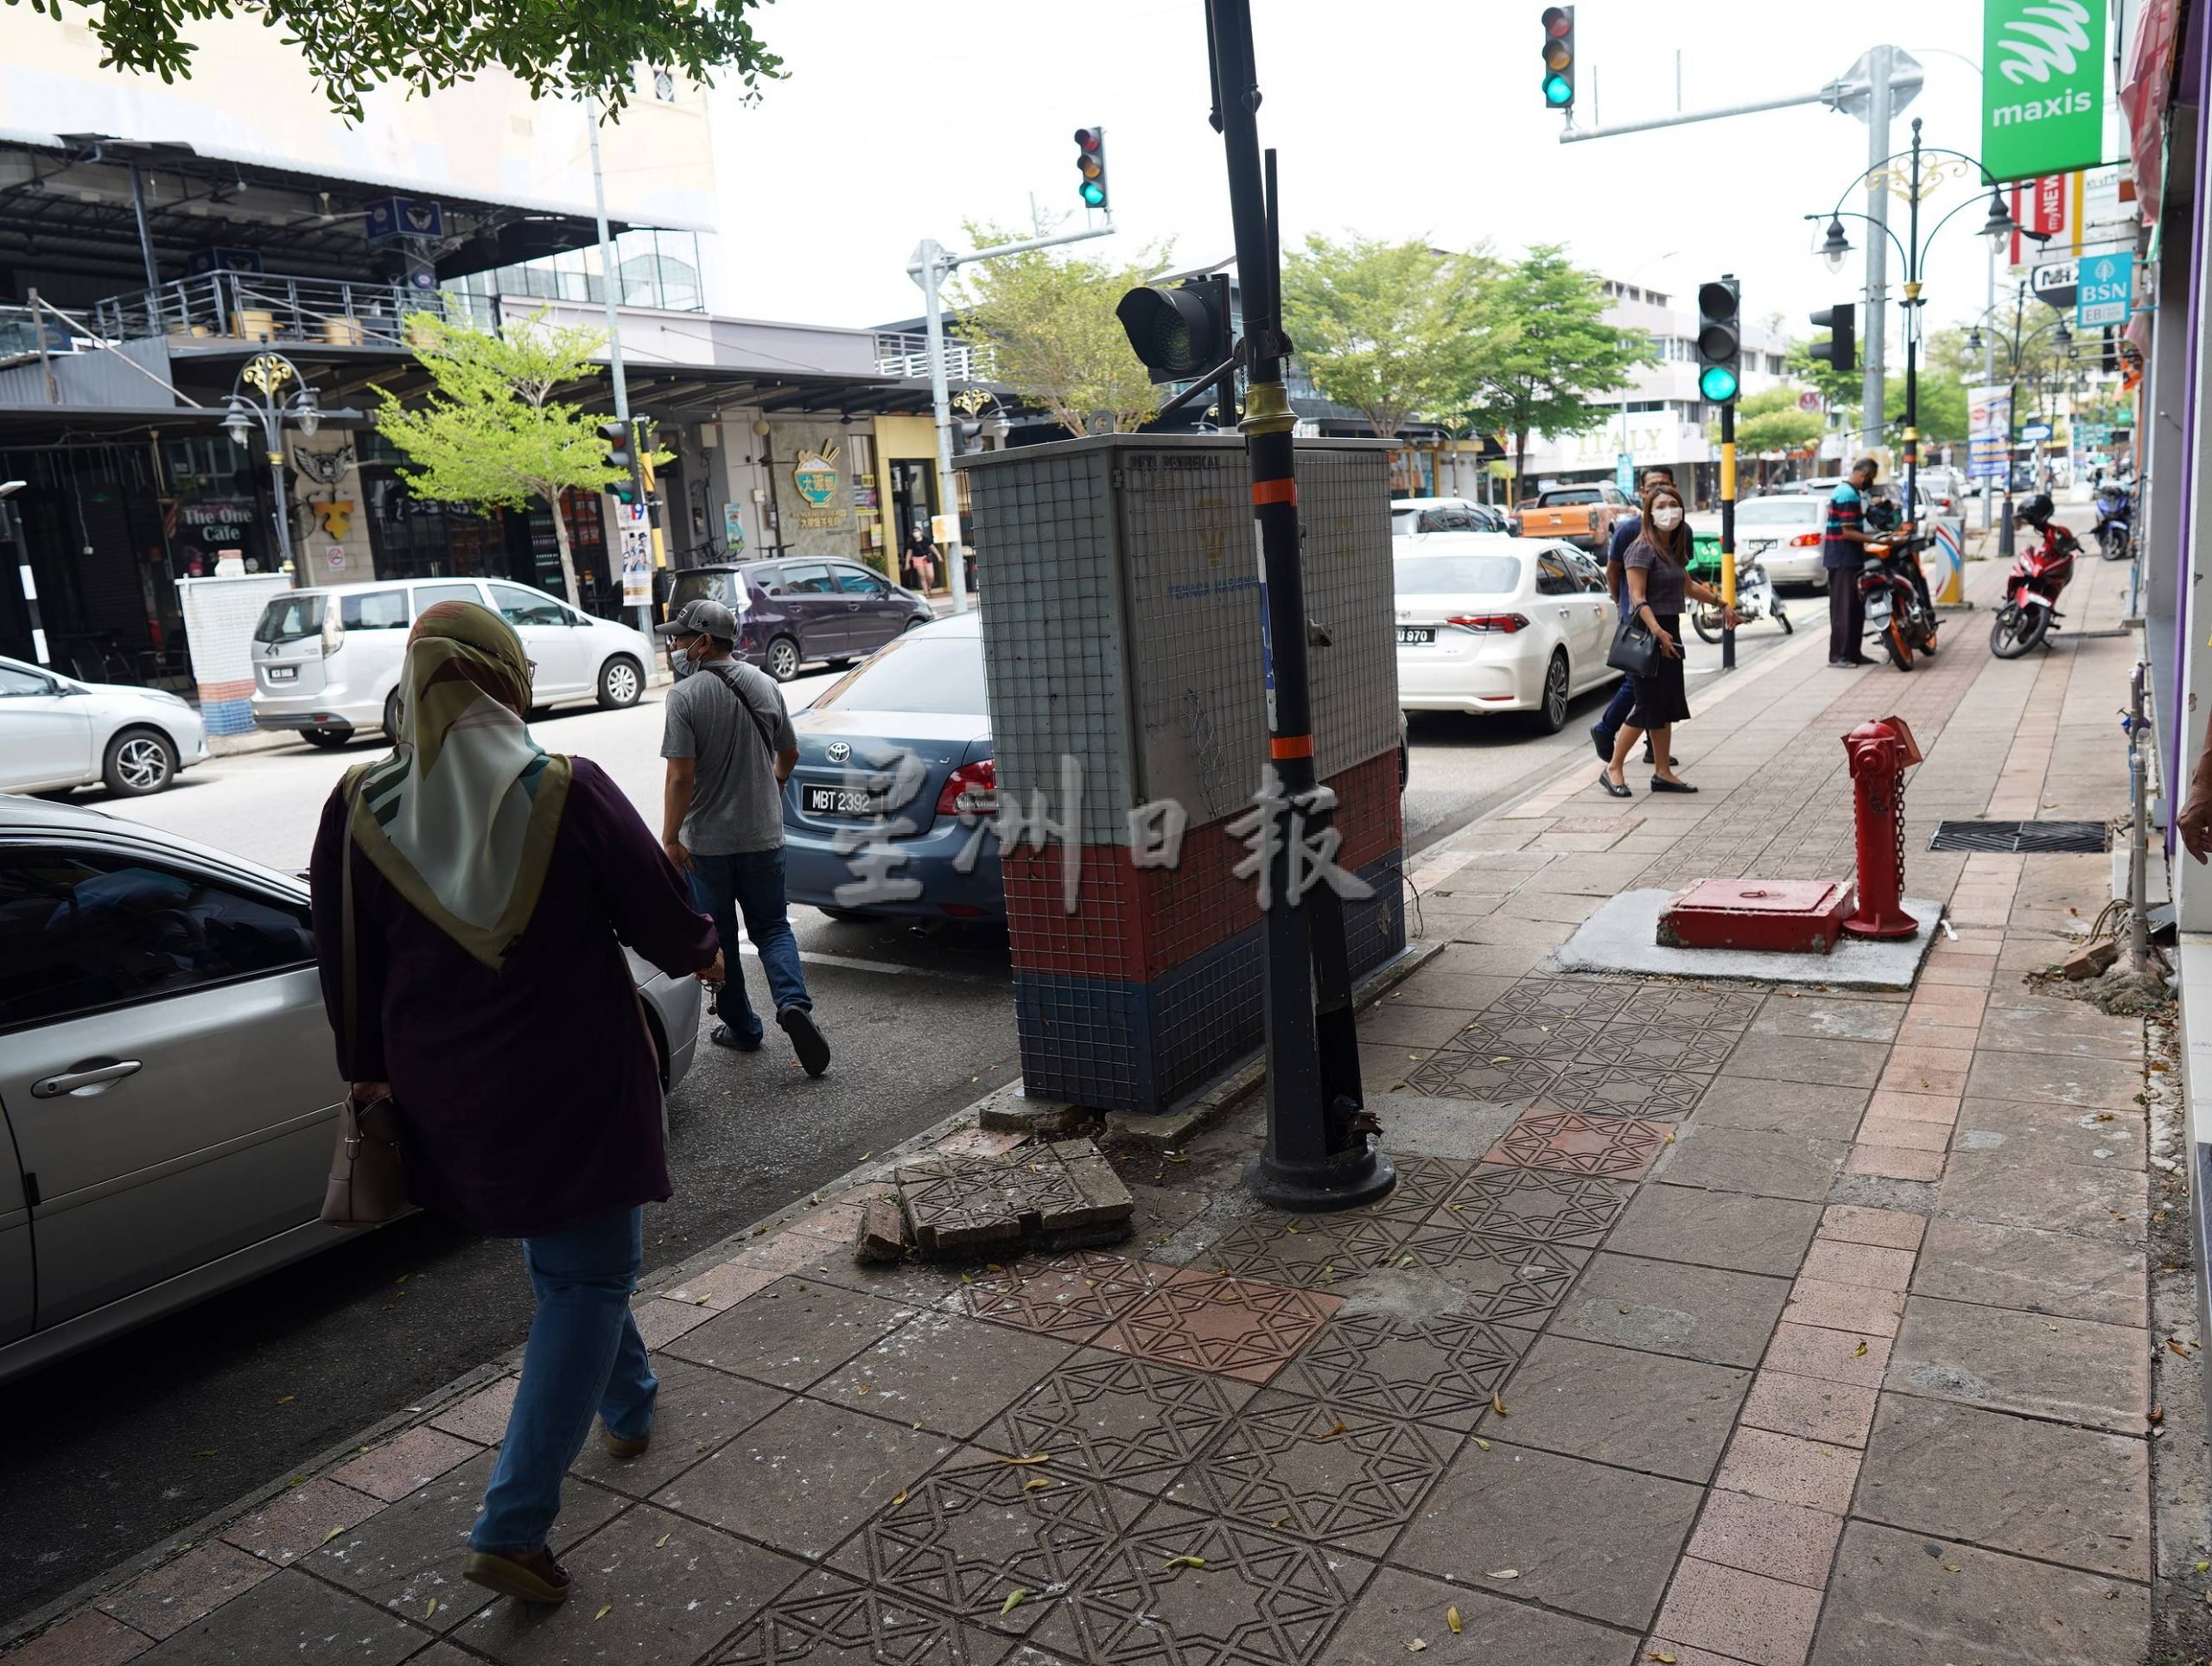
1498 1403
1416 1646
900 1499
283 1399
1334 1430
432 1609
1859 1352
1451 1619
1033 1458
1661 1656
332 1534
2177 1347
1183 1561
1502 1573
1013 1599
605 1609
1032 1486
661 1541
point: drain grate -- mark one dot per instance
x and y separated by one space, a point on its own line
2025 838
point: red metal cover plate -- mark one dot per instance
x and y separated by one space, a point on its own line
1777 916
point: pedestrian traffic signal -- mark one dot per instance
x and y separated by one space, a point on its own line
619 456
1840 350
1719 340
1180 333
1559 57
1090 163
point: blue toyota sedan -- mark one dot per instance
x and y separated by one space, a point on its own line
884 813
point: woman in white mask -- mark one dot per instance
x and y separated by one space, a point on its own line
1657 570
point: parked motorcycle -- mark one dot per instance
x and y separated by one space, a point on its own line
1755 599
2039 577
1895 613
2115 529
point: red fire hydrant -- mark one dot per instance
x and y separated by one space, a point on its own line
1880 752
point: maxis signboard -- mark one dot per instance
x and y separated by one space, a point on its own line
2043 87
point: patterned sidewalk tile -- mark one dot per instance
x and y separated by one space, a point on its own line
1549 998
1440 1370
1569 1211
830 1620
1624 1091
1507 1281
1501 1080
1610 1147
1425 1185
1310 1252
1122 1419
1216 1322
1072 1297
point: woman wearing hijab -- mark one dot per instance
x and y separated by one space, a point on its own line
493 887
1657 571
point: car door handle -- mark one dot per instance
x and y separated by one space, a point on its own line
90 1079
852 607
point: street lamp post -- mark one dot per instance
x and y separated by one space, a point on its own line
267 374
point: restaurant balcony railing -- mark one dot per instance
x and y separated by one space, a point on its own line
224 307
907 355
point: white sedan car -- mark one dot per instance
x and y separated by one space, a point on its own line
1489 623
1783 531
57 732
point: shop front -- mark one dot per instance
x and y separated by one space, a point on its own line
816 466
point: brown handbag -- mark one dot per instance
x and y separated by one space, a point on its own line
367 1186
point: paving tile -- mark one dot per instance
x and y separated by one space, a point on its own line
163 1600
2037 1271
1259 1596
299 1519
1926 1070
1618 1406
695 1411
1444 983
1570 1212
1892 1598
793 1333
1812 1407
1699 1313
89 1638
1682 1653
1894 1162
1132 1422
1890 1229
1754 1101
1996 1187
1429 1126
1424 1184
1910 1133
1925 1028
1306 1467
971 1532
482 1416
828 1620
1508 1280
1214 1322
649 1586
2035 1024
660 1321
1588 1538
407 1461
948 1373
1750 1161
2047 1133
1861 1309
1969 972
2099 1084
1398 1607
2064 1495
1764 1535
1743 1616
1717 1229
1623 1091
1807 1058
1610 1147
803 1478
408 1556
2069 1369
723 1286
1394 1023
1939 1109
1951 998
1437 1368
1309 1252
1878 1268
289 1617
1836 1020
1499 1079
1811 1474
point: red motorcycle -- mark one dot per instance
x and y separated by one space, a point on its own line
2038 577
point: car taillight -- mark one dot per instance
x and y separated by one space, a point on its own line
1804 540
1593 520
334 632
971 789
1508 623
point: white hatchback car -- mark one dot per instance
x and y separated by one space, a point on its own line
57 732
327 662
1490 623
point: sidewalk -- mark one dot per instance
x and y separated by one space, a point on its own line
1706 1323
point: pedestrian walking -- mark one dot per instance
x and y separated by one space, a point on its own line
1843 552
921 561
1657 570
730 746
472 897
1625 531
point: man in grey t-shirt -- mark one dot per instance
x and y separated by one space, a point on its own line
729 746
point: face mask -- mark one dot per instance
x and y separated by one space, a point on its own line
1667 519
681 663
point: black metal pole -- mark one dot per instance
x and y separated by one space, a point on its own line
1314 1157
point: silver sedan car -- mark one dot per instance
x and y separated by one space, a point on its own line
166 1074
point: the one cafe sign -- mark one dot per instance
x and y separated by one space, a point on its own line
213 521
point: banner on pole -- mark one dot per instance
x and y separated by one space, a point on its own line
2043 86
1989 428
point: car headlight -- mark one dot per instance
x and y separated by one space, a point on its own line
174 699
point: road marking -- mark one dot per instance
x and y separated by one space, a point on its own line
854 964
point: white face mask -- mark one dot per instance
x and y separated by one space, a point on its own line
1668 517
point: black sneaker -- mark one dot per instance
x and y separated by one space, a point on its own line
806 1040
723 1036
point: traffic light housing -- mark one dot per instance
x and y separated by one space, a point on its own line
619 456
1090 163
642 432
1179 334
1559 57
2109 353
1719 341
1840 350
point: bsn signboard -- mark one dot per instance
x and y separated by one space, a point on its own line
2106 290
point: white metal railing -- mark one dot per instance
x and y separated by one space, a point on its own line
905 354
250 306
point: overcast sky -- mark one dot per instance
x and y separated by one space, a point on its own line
1394 118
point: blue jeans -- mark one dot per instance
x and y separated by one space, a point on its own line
1618 708
751 882
584 1357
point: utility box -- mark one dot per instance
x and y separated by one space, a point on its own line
1122 643
1792 917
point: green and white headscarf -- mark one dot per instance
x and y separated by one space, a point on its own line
461 816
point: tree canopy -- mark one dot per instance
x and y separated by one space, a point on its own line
558 49
1771 420
1558 351
1049 321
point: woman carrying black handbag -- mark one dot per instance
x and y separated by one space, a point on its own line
1657 571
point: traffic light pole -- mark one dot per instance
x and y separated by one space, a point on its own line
608 280
1727 536
1317 1153
932 263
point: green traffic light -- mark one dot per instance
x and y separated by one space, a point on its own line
1092 192
1558 90
1718 384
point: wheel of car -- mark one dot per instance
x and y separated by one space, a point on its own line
138 761
620 682
391 717
781 659
1551 716
913 624
327 739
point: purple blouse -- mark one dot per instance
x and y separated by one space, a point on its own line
529 1099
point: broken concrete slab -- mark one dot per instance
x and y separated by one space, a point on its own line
1057 1196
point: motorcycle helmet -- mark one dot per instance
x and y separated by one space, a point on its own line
2035 510
1881 515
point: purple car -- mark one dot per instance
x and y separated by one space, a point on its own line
798 609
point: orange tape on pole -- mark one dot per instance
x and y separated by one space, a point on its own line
1274 492
1291 746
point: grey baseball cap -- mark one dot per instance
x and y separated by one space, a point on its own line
701 617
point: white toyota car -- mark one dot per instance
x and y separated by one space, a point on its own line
57 732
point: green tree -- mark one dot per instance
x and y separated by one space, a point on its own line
1771 420
558 49
1395 330
491 432
1840 388
1557 352
1050 325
